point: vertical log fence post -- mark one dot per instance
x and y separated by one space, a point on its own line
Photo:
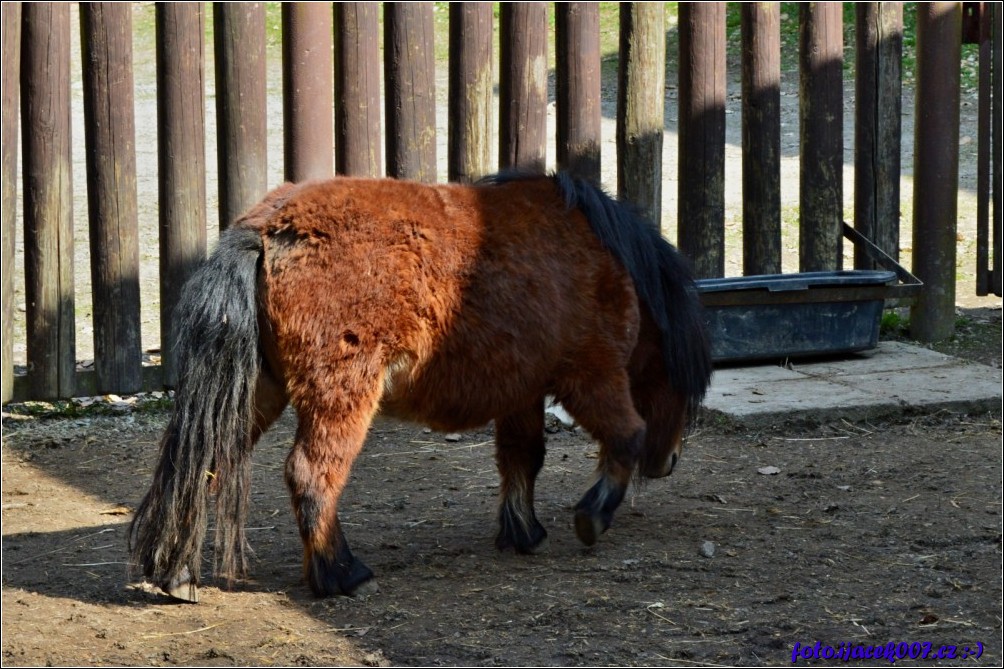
936 168
470 91
701 213
998 142
48 199
984 139
239 34
307 91
877 126
11 70
641 92
821 96
523 86
761 136
110 138
988 177
577 35
357 89
181 160
410 82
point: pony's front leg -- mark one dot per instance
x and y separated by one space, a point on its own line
519 454
595 511
317 470
606 410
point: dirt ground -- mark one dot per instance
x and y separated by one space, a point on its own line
866 534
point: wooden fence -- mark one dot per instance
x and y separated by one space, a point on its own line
330 53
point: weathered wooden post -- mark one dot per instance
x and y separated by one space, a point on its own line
821 95
701 213
470 94
577 51
523 86
181 159
357 89
641 91
988 172
877 110
307 91
239 34
110 136
761 136
48 198
410 83
936 168
11 69
998 131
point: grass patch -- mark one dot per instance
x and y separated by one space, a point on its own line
893 325
89 407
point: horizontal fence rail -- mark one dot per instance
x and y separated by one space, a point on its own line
337 118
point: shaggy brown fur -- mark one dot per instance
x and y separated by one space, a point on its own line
455 305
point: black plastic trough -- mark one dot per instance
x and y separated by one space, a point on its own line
780 316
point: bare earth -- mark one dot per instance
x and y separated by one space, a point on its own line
866 534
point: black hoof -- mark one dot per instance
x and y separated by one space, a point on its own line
588 527
525 538
345 576
595 511
366 588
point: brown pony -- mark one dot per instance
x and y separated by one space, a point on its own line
452 305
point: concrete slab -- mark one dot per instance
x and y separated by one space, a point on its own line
892 379
889 356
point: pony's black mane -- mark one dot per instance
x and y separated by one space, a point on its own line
662 276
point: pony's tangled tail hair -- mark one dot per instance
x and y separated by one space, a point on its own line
662 278
207 446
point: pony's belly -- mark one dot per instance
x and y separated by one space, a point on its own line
452 400
439 412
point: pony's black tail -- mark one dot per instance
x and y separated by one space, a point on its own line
207 446
662 279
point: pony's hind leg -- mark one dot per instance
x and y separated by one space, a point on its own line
604 407
269 402
519 454
331 432
270 397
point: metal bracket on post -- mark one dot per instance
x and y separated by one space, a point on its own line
909 286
